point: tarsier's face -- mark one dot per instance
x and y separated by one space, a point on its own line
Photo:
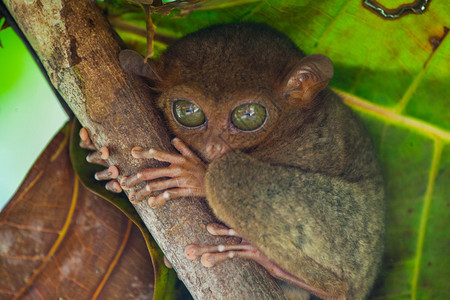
214 127
217 98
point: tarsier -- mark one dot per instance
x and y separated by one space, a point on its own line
278 156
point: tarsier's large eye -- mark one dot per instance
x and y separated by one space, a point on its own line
249 116
188 113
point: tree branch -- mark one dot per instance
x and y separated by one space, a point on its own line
79 51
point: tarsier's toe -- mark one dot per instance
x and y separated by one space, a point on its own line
139 152
138 195
99 157
218 229
85 141
192 252
208 260
123 183
158 201
104 153
113 186
111 173
167 263
132 196
128 182
211 259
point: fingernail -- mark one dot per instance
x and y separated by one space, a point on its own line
132 197
113 172
192 252
83 134
122 181
104 152
117 187
136 151
113 187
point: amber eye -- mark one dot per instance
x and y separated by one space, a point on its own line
188 113
249 116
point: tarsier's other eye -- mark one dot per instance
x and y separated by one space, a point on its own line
188 113
249 116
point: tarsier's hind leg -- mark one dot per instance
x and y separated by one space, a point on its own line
215 254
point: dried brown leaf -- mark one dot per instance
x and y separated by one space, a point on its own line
58 240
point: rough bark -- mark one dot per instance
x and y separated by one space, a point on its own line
79 51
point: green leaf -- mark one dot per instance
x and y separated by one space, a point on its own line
392 66
395 74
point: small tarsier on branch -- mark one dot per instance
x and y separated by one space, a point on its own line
278 156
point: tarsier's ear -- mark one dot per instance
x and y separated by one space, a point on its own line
308 78
133 62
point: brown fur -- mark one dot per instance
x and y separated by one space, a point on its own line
305 188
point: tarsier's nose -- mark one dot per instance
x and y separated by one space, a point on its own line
214 151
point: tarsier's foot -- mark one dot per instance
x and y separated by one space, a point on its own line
213 255
99 157
185 175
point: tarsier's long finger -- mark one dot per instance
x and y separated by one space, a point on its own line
139 195
195 251
161 199
218 229
98 157
211 259
113 186
150 174
139 152
155 186
185 150
85 141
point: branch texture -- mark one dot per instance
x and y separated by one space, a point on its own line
79 51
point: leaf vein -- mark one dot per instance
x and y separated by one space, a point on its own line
392 115
424 217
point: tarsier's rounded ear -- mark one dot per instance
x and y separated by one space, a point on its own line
308 78
133 62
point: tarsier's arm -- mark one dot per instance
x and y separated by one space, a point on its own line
319 226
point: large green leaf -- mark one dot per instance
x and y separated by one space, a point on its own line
395 74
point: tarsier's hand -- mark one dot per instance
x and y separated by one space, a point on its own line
99 157
186 175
